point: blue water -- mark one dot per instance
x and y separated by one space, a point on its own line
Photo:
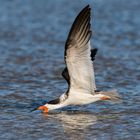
32 38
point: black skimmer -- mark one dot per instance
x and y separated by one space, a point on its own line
79 72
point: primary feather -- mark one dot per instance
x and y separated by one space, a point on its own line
78 54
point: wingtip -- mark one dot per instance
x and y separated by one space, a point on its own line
87 7
81 25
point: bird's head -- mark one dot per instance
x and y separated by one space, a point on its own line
43 108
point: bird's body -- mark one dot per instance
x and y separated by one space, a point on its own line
79 71
75 98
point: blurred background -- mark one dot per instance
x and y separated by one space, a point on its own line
32 38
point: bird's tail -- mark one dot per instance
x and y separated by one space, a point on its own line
111 96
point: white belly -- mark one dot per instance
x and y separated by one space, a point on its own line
81 98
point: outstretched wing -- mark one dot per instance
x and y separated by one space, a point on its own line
65 73
77 54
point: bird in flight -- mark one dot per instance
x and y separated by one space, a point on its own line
79 70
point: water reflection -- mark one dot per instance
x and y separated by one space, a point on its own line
83 124
74 120
73 123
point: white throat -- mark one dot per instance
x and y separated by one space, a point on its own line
55 106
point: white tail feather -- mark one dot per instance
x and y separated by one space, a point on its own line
113 95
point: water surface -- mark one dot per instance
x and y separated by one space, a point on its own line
32 38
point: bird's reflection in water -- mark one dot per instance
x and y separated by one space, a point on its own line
80 125
74 123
